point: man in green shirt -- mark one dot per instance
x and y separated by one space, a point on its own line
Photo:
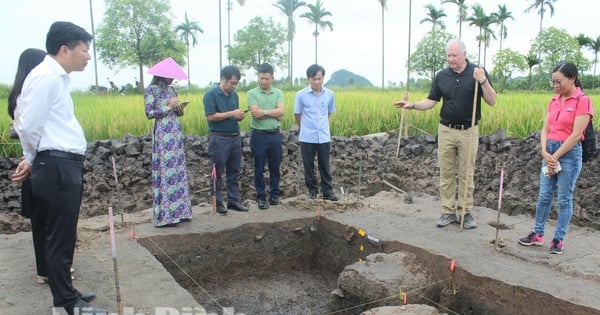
266 106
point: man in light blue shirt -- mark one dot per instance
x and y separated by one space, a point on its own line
312 107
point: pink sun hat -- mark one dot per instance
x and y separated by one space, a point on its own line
168 68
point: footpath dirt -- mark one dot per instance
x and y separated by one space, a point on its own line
408 218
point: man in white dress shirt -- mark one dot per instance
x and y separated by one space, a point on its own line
54 148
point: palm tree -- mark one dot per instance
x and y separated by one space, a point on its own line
383 8
462 13
532 61
94 46
288 7
594 45
229 8
434 16
583 41
483 22
541 5
316 15
499 17
188 30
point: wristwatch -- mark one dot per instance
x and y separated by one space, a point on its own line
265 112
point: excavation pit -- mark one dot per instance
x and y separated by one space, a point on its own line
294 267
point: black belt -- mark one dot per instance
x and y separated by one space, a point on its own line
225 134
62 155
272 131
457 126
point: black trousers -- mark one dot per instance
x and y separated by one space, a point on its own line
226 152
57 186
321 150
38 226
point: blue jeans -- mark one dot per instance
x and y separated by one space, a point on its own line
565 182
266 148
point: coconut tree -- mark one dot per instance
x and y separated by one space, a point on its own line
187 31
383 8
462 13
594 45
483 22
316 16
500 17
541 6
434 16
288 7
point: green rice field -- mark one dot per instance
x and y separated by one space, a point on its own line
358 113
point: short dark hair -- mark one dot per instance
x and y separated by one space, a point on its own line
313 70
229 71
67 34
265 68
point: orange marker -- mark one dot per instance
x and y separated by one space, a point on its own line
404 297
132 235
319 212
452 265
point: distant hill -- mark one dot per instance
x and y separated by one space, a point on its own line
346 78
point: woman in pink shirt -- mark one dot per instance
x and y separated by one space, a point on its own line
568 114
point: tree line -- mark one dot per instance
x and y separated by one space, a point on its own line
138 33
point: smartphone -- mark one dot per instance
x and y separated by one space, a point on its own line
246 110
183 104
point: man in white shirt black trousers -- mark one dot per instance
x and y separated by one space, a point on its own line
54 147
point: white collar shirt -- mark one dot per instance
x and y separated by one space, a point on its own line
46 114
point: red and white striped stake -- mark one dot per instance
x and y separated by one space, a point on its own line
113 245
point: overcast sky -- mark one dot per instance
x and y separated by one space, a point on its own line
354 44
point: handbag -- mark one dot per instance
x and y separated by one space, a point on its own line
13 133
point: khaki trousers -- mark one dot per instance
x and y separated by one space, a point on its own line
456 167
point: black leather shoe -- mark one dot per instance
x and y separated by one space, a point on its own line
331 197
237 206
312 195
221 209
81 307
274 201
87 296
262 204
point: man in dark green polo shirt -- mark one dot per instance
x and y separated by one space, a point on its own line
221 106
266 106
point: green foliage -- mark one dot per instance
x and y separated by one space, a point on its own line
259 42
556 45
506 62
4 91
137 33
430 55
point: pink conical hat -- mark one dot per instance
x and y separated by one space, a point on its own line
168 68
